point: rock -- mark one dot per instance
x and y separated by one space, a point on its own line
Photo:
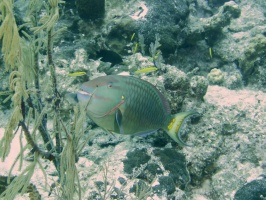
248 154
100 185
160 141
209 28
216 76
117 194
135 159
176 84
150 172
120 34
165 18
218 2
175 79
110 141
255 190
228 128
141 190
91 9
166 184
199 86
175 163
122 181
254 56
109 56
93 195
222 182
232 77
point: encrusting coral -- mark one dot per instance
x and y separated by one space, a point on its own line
216 76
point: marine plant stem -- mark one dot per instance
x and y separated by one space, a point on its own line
46 155
43 126
51 63
56 100
37 82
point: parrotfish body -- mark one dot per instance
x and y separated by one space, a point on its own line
128 105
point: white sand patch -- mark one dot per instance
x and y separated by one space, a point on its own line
224 97
14 151
141 13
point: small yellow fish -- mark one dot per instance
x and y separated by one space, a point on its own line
77 74
135 48
132 37
210 51
155 56
146 70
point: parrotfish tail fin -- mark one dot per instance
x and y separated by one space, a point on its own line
176 124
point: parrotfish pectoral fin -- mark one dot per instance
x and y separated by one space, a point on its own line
118 118
176 124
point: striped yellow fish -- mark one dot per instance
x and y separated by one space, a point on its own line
77 74
146 70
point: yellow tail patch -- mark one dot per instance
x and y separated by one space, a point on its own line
175 125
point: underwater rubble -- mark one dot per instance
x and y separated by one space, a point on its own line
204 56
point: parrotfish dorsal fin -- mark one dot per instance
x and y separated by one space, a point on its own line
174 127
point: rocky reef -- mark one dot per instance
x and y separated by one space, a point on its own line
206 56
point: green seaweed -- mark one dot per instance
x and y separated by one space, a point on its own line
30 108
156 54
9 34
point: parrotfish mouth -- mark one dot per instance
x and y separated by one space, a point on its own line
87 97
84 96
85 93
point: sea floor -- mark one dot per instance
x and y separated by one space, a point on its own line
222 160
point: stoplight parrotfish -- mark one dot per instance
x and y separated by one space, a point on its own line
128 105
